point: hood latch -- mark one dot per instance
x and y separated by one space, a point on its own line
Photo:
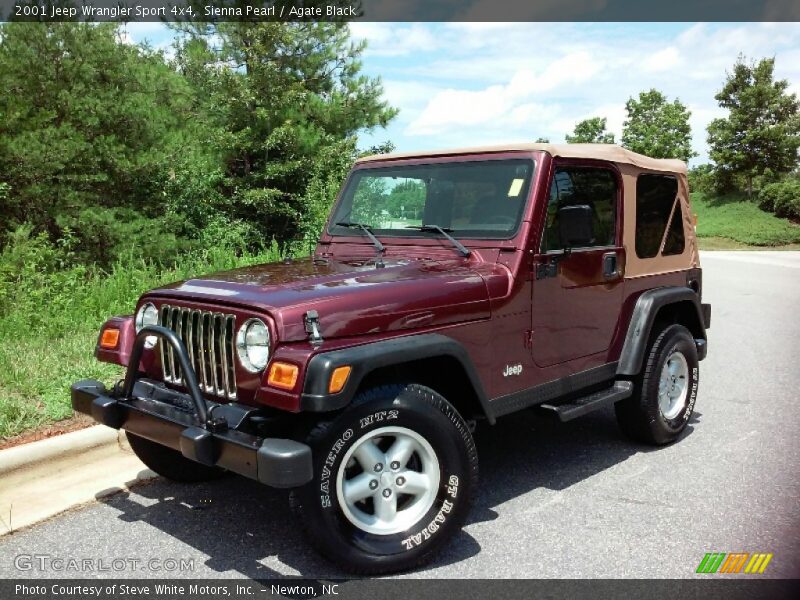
311 321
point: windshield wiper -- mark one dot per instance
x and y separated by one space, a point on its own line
379 248
444 231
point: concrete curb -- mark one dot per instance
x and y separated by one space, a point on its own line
44 478
26 456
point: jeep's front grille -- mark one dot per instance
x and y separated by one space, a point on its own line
209 339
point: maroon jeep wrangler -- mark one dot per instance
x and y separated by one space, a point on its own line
448 287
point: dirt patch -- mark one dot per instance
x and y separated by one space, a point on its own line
47 431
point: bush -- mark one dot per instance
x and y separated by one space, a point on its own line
713 180
51 310
782 198
100 235
701 179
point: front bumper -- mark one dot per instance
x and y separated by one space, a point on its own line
202 431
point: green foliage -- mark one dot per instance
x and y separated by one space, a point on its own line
590 131
50 313
282 104
326 179
657 128
121 170
116 150
761 135
701 179
782 198
733 217
542 140
87 125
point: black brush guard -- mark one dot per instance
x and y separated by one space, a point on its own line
201 430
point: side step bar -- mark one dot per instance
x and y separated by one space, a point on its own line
581 406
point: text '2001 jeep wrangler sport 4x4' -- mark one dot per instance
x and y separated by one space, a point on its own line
447 287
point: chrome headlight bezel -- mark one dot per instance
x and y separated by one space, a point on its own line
147 315
253 345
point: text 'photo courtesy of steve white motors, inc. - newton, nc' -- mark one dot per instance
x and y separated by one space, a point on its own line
137 12
139 589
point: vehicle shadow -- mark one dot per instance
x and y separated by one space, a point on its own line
247 529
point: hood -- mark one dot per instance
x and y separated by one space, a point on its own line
352 297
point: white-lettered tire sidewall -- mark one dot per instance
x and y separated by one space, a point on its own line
679 340
426 413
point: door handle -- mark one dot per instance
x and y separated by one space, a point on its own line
610 266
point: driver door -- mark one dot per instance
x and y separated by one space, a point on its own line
577 297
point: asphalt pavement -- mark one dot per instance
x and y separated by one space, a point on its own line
574 500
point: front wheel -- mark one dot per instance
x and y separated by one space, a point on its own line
665 392
394 476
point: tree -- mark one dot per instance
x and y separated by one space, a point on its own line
542 140
590 131
85 129
278 96
658 128
762 131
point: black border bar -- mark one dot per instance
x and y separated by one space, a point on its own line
703 588
401 10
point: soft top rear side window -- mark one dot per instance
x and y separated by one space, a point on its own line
657 206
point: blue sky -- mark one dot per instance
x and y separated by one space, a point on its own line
462 84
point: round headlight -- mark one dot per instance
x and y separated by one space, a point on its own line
147 315
252 345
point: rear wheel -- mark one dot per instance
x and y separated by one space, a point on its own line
394 476
665 392
170 463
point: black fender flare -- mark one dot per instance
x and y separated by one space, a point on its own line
644 315
365 358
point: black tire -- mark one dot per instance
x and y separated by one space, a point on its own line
640 416
170 463
409 407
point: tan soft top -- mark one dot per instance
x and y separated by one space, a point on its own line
630 165
609 152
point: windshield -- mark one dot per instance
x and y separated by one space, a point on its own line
474 199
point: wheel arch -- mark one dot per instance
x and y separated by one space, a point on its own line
433 360
654 310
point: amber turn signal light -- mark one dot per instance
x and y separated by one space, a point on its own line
338 379
109 339
282 375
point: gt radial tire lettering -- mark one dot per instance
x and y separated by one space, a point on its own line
324 485
438 520
693 395
452 486
433 527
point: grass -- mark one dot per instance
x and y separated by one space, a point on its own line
48 335
720 243
740 222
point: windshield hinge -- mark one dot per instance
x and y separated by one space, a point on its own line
311 321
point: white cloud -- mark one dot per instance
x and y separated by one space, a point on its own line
482 81
663 60
394 39
503 104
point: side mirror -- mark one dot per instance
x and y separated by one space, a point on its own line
575 226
